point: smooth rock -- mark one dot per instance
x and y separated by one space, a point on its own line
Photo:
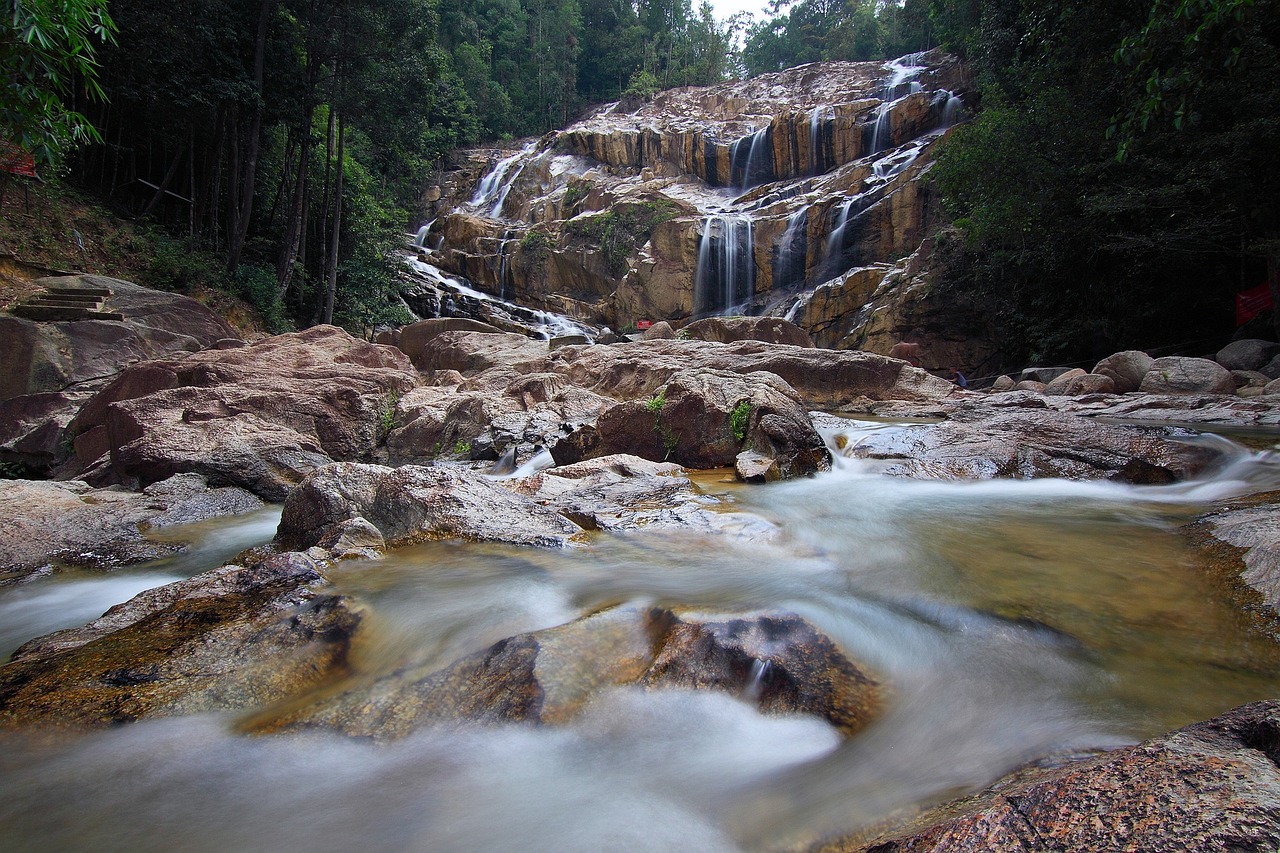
1183 375
414 504
235 638
1126 369
51 525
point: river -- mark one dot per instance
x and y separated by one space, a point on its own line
1010 620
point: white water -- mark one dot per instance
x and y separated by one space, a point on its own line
725 272
1009 619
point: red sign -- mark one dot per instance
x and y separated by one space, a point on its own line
15 161
1251 303
643 324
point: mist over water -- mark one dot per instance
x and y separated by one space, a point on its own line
1009 620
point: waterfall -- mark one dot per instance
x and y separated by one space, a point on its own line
790 267
817 115
747 160
904 69
725 274
493 189
951 108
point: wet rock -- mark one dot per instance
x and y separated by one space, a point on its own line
235 638
1254 531
62 524
414 504
704 418
726 330
1211 786
1126 369
1247 354
260 416
1181 375
777 661
627 493
1026 443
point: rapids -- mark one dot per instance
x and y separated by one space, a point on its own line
1010 620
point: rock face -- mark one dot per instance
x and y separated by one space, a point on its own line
777 661
52 525
235 638
1208 787
260 416
787 194
52 368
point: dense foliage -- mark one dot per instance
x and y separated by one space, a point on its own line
1117 187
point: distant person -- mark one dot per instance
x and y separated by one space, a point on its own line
958 378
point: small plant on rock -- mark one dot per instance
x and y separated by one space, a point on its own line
739 419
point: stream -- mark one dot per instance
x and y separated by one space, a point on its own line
1010 620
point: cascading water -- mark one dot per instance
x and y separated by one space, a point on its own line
1009 620
495 186
725 275
751 160
903 69
792 250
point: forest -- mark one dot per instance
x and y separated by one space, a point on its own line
1115 187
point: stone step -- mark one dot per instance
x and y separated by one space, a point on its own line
101 292
48 313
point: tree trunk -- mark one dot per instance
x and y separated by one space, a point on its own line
331 285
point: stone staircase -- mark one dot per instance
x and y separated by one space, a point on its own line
61 303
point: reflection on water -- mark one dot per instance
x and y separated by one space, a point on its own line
1010 620
72 598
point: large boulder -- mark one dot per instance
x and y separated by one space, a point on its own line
1247 354
1126 369
725 330
1184 375
413 504
50 356
55 525
777 661
260 416
981 443
1211 786
705 418
235 638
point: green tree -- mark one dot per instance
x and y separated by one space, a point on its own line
48 53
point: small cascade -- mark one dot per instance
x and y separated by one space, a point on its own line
792 250
951 108
817 160
751 160
420 239
494 188
900 84
725 275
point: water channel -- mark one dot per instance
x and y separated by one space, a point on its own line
1010 620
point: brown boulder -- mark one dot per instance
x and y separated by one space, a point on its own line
1126 369
230 639
1211 786
413 504
261 416
1182 375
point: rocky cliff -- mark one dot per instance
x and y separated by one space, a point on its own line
799 194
